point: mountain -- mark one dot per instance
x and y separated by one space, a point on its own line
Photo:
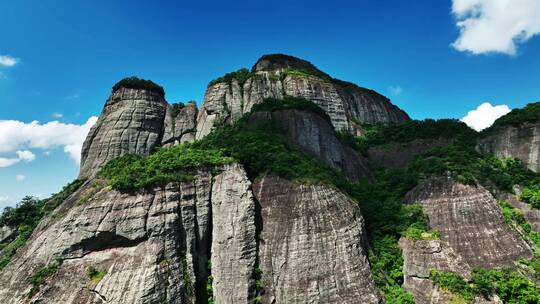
286 186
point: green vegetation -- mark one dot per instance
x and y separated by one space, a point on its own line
186 278
258 286
26 216
209 286
382 134
131 171
530 113
241 75
176 108
40 276
276 61
134 82
95 275
531 193
515 218
510 286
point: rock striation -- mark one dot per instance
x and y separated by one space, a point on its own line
316 137
153 245
313 245
521 142
470 221
280 75
180 127
132 121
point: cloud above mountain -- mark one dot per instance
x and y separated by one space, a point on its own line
495 26
484 115
17 138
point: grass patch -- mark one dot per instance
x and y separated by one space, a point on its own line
95 275
40 276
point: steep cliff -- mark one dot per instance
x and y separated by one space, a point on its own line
132 121
519 141
279 75
314 249
517 135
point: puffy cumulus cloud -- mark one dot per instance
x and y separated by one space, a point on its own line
26 155
20 177
488 26
484 116
16 135
6 162
8 61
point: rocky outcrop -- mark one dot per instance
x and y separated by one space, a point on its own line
132 121
153 245
420 257
315 136
531 215
6 233
521 142
470 221
398 155
234 247
180 127
312 245
346 104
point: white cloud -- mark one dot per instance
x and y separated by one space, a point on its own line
57 115
495 26
8 61
16 135
6 162
395 90
20 177
4 199
484 116
26 155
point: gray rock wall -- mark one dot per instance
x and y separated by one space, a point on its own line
346 104
312 247
521 142
315 136
470 221
132 121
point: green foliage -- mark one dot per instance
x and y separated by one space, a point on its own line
210 289
453 283
510 286
531 193
242 75
176 108
530 113
186 278
26 216
288 103
515 218
277 61
131 171
382 134
134 82
39 277
94 274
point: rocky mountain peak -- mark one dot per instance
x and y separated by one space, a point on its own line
282 62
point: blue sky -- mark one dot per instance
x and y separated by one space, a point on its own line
58 61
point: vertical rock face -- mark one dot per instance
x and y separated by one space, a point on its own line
470 221
180 127
316 137
153 245
521 142
234 248
132 121
312 245
278 76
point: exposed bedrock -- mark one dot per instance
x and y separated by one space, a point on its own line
312 245
132 121
470 221
521 142
315 136
345 103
